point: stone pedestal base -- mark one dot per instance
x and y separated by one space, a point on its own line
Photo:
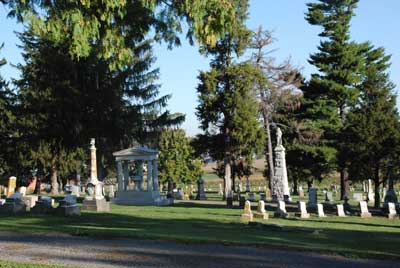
366 215
263 216
246 217
146 198
13 208
303 215
96 205
69 211
281 214
393 216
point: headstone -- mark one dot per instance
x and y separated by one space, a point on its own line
252 197
303 210
221 191
94 200
281 210
2 201
301 192
247 214
22 190
364 210
392 213
262 197
13 205
279 182
329 197
44 205
12 183
30 200
201 195
261 213
75 190
179 194
111 191
312 197
247 185
68 206
358 197
371 194
340 210
321 213
267 194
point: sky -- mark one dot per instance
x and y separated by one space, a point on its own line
376 21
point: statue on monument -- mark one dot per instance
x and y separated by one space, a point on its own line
278 137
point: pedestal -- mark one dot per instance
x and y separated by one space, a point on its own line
99 205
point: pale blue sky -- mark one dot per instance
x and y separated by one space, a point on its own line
377 21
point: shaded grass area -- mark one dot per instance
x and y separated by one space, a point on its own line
352 237
9 264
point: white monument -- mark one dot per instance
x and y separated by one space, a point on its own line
279 183
320 210
281 210
340 210
94 199
364 210
247 213
392 213
261 213
131 189
303 210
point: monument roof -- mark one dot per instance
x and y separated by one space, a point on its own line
135 152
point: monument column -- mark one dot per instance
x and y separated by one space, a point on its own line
155 175
120 176
126 175
279 183
149 176
93 162
140 174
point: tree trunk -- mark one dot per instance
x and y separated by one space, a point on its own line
54 181
295 186
376 182
344 184
270 154
309 184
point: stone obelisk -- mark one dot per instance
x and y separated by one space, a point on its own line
93 163
279 183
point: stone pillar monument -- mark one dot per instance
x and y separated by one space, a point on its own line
94 199
279 183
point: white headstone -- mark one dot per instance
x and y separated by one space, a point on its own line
282 206
321 213
261 213
247 213
303 210
392 210
281 210
22 190
364 210
340 210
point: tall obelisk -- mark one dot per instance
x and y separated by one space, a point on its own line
279 183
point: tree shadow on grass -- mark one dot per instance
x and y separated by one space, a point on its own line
348 222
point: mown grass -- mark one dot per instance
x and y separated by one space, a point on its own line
352 236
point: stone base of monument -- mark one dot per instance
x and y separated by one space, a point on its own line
366 215
303 215
281 214
13 208
73 210
246 217
99 205
145 198
263 216
30 200
42 209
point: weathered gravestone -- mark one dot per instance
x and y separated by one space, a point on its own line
312 197
320 210
179 194
221 191
329 197
358 197
279 182
22 190
68 206
12 183
44 205
303 210
340 210
201 194
30 200
364 210
13 205
94 200
392 213
281 210
301 192
261 213
75 190
247 214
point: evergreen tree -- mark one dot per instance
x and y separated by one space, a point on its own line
228 106
373 127
177 161
65 102
339 62
94 26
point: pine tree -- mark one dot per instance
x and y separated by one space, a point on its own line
339 63
228 106
373 127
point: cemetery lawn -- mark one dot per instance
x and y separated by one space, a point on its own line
350 237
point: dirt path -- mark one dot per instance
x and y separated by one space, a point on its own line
89 252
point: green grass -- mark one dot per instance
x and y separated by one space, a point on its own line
352 237
9 264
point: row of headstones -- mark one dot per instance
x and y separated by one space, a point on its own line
282 213
15 204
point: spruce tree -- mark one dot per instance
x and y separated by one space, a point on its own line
339 63
228 106
372 133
